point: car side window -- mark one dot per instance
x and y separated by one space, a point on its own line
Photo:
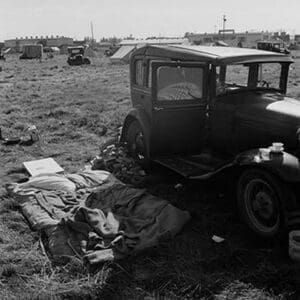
179 83
269 75
236 78
139 72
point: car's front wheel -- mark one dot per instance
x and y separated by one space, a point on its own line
87 61
136 143
259 196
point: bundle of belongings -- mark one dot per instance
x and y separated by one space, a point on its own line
94 216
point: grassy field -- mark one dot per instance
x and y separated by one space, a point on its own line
76 109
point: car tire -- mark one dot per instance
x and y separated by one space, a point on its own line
259 198
136 144
87 61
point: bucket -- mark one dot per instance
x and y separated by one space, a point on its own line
33 132
294 245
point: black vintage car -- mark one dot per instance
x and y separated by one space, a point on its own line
274 46
76 56
201 111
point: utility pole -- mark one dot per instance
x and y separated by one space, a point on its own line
92 31
224 21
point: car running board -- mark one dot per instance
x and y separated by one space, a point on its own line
194 167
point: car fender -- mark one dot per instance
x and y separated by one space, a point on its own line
283 164
143 119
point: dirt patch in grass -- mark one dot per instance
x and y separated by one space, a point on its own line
76 109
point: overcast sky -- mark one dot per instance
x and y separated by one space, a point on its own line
143 18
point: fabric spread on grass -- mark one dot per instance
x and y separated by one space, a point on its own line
94 216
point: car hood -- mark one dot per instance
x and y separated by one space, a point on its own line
269 117
259 104
284 105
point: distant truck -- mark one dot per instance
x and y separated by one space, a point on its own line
274 46
32 52
77 56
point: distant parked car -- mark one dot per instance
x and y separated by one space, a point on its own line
273 46
76 56
202 111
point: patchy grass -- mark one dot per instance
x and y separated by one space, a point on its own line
76 109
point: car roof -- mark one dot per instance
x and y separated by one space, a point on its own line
211 54
75 47
270 42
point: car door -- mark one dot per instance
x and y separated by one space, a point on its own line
228 85
223 131
179 104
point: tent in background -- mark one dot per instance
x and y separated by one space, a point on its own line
158 41
122 55
55 49
32 51
9 51
128 46
220 43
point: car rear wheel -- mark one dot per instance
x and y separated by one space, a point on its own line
259 195
136 143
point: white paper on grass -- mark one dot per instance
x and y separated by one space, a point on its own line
218 239
42 166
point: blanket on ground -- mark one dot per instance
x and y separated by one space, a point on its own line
92 215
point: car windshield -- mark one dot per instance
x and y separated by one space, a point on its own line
237 77
75 51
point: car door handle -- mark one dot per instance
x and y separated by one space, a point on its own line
156 108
